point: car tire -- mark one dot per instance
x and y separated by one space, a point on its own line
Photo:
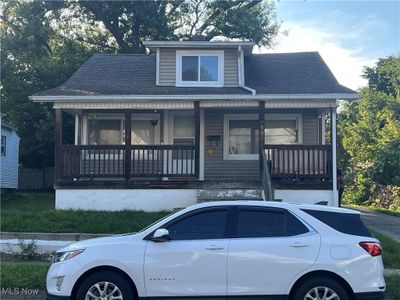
316 288
103 285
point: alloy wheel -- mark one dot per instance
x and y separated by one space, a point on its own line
321 293
104 291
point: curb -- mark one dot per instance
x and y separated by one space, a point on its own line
50 236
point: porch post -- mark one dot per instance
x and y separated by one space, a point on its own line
334 157
58 143
196 139
261 120
128 139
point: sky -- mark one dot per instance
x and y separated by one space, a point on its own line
348 34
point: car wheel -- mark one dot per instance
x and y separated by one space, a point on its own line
321 289
105 285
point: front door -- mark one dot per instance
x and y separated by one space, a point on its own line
193 262
270 248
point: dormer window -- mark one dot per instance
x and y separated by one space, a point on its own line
200 68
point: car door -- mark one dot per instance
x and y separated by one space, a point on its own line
271 246
193 261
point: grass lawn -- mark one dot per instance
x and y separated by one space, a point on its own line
391 252
34 212
33 275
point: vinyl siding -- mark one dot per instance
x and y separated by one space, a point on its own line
167 67
9 162
310 127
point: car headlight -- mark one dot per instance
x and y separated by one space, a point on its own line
62 256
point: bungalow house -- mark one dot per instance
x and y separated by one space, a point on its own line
196 120
9 157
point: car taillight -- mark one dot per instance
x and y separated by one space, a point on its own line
373 248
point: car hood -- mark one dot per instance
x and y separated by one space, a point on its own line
96 242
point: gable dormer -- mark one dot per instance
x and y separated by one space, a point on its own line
199 63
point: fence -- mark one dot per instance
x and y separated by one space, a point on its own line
35 179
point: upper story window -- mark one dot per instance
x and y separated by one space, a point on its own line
200 68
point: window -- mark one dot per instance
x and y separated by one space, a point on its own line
202 225
199 68
257 223
268 223
143 132
3 145
105 132
183 130
279 132
344 222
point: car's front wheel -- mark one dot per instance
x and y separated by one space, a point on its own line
105 285
321 289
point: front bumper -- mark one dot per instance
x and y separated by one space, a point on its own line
370 296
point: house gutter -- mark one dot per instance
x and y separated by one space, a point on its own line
127 98
241 72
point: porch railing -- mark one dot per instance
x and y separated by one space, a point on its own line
120 161
266 179
299 161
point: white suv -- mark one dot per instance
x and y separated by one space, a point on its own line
228 250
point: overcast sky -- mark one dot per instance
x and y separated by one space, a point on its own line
348 34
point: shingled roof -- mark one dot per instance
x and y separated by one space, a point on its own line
135 74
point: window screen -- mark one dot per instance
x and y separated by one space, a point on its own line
343 222
203 225
243 136
105 132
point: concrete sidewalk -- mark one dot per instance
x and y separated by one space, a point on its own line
385 224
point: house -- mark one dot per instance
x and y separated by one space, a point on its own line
9 157
195 120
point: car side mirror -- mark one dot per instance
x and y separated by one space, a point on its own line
161 235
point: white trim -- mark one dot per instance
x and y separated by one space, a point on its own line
227 118
85 128
76 129
202 141
158 66
184 44
242 79
108 98
199 54
323 129
334 162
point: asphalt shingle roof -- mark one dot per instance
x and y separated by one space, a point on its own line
135 74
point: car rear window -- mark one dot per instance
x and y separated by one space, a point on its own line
344 222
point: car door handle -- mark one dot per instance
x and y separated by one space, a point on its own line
299 245
214 247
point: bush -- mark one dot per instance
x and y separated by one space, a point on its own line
385 197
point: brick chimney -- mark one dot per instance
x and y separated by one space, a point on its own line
198 36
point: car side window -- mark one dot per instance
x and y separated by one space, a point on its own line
202 225
260 223
268 223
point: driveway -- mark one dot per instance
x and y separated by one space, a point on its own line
385 224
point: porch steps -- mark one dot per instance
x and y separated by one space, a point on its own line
206 195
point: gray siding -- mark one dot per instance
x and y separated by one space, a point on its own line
215 167
167 67
9 162
310 127
231 68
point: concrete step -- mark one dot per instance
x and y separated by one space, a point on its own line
204 195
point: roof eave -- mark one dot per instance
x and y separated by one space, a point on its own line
101 98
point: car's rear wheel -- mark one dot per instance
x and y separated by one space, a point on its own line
105 285
321 289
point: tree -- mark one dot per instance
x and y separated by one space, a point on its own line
369 132
131 22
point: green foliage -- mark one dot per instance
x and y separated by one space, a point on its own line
28 250
369 135
23 275
387 197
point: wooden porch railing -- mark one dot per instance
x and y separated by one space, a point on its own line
118 161
300 161
266 176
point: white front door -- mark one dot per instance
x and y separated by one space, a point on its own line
271 247
193 262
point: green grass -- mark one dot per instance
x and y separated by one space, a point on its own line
392 287
33 275
391 252
34 212
23 275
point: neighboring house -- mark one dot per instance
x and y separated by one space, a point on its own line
195 120
9 157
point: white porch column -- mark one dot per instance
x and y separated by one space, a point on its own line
335 198
202 141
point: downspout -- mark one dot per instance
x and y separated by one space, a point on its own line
241 72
